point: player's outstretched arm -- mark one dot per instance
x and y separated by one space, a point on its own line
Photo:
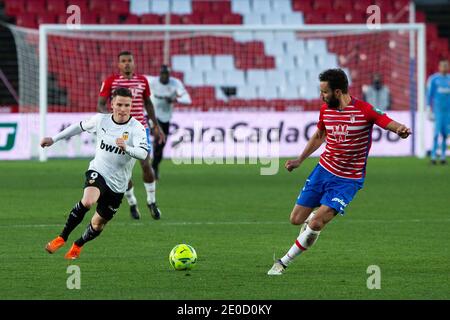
313 144
70 131
400 129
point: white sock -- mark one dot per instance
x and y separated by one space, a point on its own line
151 192
305 240
129 194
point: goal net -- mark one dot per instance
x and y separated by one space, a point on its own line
232 68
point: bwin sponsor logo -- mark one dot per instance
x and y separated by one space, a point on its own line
340 201
109 148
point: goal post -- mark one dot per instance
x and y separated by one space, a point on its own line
359 49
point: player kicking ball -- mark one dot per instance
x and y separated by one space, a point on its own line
121 140
345 124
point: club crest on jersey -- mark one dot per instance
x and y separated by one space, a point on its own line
352 118
340 132
125 135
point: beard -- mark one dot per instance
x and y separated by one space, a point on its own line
333 103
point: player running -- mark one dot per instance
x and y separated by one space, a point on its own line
345 123
140 89
121 140
166 90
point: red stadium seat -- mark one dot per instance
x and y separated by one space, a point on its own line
13 8
355 17
131 19
325 5
232 18
46 18
56 6
99 6
335 17
175 19
121 7
109 18
27 20
385 6
89 18
200 6
212 18
36 7
420 16
191 19
222 7
304 6
361 5
343 5
151 19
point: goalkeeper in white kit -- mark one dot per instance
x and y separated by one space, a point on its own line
165 91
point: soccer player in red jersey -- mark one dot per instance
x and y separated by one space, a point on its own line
140 89
345 124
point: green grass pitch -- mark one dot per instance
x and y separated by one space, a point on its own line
237 220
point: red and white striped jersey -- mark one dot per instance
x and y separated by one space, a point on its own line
139 87
349 137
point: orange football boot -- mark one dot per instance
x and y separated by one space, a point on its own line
74 252
55 244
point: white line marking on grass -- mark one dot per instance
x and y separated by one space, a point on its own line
231 223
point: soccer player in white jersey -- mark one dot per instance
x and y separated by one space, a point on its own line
121 139
165 91
345 124
140 89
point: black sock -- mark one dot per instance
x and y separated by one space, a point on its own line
75 217
88 235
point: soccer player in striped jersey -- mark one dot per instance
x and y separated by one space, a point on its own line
121 140
140 89
345 124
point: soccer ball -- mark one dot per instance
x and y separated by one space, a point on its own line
183 257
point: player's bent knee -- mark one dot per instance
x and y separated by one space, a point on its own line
316 224
98 223
295 219
88 202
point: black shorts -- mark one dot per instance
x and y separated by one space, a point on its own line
109 201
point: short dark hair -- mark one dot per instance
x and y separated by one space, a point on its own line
123 92
124 53
336 78
164 69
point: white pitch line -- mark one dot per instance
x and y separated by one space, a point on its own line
182 223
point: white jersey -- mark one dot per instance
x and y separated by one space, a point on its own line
159 92
110 161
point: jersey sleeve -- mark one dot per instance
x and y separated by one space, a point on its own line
431 88
90 125
140 137
182 94
105 89
376 116
321 124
